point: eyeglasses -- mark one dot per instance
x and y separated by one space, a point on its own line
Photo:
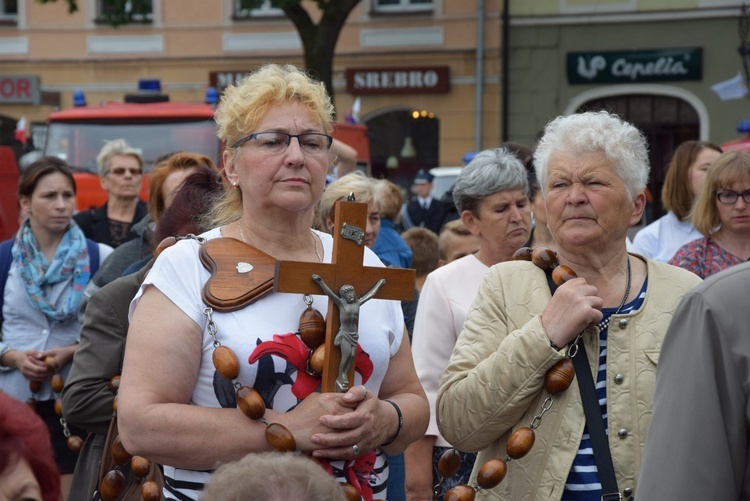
729 197
277 142
120 171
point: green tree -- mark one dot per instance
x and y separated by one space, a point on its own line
318 40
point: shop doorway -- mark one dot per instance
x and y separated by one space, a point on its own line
402 141
666 121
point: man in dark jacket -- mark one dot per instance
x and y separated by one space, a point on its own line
423 211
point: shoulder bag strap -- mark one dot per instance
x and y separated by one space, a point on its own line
594 420
595 423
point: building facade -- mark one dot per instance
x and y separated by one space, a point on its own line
652 61
411 65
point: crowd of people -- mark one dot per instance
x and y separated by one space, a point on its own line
542 341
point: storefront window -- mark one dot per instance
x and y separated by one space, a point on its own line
264 10
402 5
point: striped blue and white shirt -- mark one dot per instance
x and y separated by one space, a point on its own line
583 480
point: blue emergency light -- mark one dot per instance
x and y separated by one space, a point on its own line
212 95
79 98
744 126
150 85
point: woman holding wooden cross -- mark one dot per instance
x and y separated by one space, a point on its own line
176 405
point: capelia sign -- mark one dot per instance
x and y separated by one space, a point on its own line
667 65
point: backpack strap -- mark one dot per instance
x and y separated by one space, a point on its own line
5 260
93 250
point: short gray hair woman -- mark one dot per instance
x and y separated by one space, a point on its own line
117 147
491 171
121 171
491 194
592 168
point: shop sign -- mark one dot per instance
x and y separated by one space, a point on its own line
421 80
19 89
668 65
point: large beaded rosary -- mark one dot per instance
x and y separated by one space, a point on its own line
74 442
312 330
557 379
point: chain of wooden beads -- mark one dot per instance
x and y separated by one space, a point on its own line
312 330
74 442
114 481
556 380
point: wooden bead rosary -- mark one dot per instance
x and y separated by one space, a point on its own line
114 481
556 380
312 330
74 442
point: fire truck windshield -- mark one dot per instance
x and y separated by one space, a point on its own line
79 143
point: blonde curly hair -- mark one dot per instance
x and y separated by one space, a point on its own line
244 105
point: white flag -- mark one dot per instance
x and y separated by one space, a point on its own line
734 88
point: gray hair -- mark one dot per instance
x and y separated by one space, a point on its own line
491 171
272 476
596 131
114 148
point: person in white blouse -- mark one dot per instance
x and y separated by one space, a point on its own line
685 176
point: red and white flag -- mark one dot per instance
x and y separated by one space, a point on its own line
21 130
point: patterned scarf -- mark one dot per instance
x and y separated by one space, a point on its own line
71 260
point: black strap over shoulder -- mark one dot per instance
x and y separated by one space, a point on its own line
594 419
595 424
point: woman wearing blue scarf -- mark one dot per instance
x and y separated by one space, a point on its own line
43 272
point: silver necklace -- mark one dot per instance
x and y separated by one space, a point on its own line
312 238
604 324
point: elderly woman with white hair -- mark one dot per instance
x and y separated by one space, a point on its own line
608 322
121 173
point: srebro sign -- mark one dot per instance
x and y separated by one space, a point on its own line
425 80
667 65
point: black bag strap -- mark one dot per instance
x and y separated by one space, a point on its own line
595 424
594 419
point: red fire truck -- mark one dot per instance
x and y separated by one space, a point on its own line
150 122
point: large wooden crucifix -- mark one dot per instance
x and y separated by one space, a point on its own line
346 269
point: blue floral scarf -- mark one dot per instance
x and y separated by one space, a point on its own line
71 260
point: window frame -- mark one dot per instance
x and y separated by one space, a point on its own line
101 17
265 11
404 6
5 17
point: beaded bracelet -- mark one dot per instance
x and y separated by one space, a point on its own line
400 422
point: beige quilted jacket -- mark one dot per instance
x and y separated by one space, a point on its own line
493 383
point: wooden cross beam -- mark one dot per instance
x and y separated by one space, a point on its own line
346 268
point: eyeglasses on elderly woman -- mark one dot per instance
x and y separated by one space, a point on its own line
277 142
729 197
